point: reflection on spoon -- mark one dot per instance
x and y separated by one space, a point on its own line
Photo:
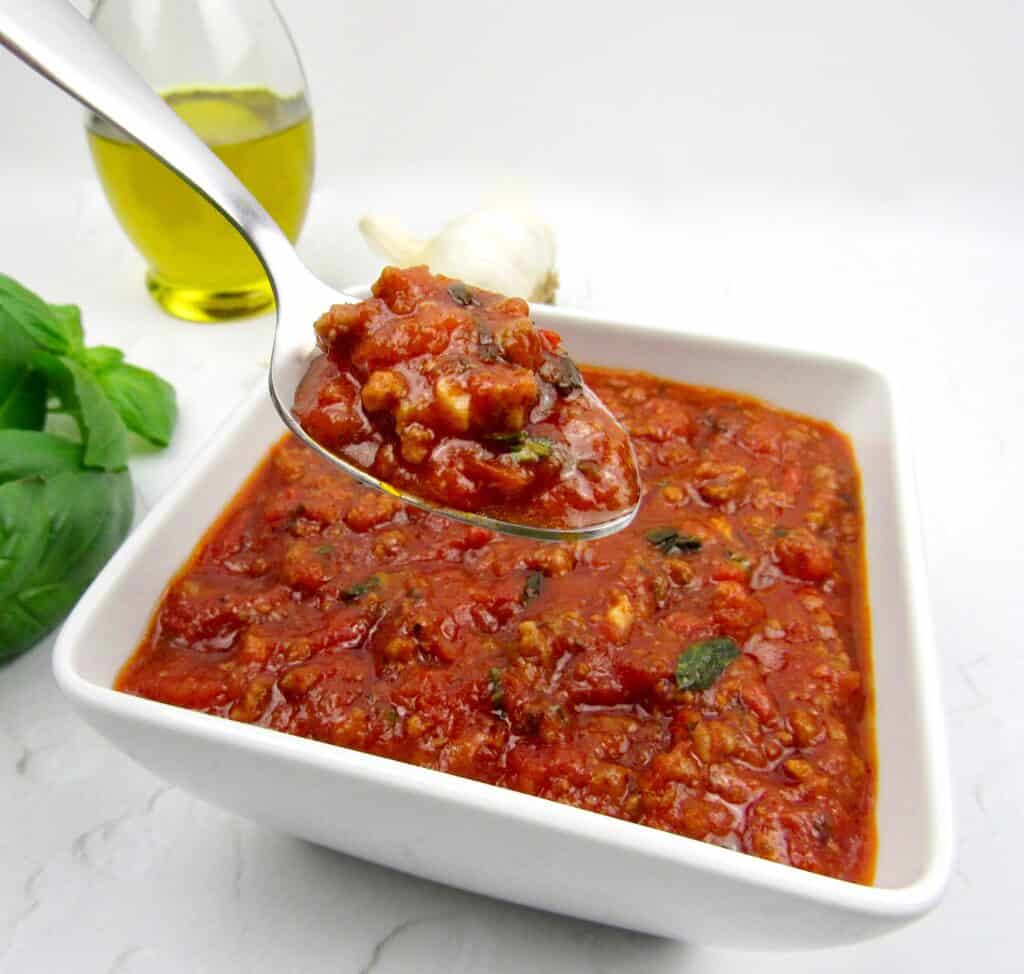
450 394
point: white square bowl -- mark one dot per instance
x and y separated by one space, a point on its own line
526 849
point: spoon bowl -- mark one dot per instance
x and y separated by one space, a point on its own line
299 304
56 41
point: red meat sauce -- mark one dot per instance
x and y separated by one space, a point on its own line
451 394
321 608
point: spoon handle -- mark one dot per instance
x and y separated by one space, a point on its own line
51 37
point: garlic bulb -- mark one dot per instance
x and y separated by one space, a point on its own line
502 247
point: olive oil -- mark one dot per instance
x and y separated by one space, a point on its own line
200 268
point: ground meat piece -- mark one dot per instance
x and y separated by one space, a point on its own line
803 555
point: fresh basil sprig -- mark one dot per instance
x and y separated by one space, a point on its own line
56 533
103 432
144 401
65 504
23 311
22 397
32 453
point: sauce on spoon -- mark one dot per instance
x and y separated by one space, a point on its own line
450 393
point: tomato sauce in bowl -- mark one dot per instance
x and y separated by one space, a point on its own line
705 671
450 394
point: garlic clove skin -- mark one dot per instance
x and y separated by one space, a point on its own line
391 240
501 247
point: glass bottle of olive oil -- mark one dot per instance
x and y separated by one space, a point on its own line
199 267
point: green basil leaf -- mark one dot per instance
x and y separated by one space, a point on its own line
16 348
30 453
22 397
100 357
700 665
23 534
70 318
144 401
29 314
11 290
102 430
84 518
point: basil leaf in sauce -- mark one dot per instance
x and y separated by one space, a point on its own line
669 541
562 372
497 688
532 587
699 666
461 294
359 589
487 345
524 448
534 448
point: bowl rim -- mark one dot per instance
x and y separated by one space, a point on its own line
905 901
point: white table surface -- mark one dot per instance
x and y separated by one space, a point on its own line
840 178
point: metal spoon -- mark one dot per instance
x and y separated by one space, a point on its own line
55 40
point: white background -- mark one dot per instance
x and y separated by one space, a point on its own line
844 177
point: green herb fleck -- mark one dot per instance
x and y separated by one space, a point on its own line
562 373
714 423
532 587
533 449
325 549
359 589
704 662
461 294
497 688
489 349
669 541
522 447
391 716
